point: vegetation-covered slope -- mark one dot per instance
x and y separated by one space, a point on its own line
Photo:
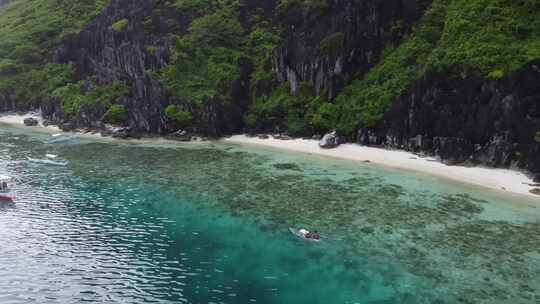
31 30
303 66
458 37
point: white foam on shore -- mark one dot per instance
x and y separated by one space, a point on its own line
499 179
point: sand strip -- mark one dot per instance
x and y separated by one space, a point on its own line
499 179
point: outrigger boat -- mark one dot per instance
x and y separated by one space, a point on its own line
50 160
4 190
60 138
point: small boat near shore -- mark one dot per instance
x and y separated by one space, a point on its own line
48 162
60 138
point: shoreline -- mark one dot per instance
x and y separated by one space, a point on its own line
502 180
17 121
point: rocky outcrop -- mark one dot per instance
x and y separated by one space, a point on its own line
330 140
180 135
468 119
30 122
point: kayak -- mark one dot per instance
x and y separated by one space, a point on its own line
48 162
6 198
301 233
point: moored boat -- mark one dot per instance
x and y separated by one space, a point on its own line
60 138
48 161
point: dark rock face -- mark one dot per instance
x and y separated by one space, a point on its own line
356 31
30 122
109 55
461 119
330 140
67 126
468 119
359 32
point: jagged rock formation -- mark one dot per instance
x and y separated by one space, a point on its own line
473 120
363 29
344 41
122 55
458 117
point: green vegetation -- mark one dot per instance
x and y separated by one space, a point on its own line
205 63
73 96
457 38
259 46
302 114
178 115
207 60
537 136
117 114
486 37
30 29
120 25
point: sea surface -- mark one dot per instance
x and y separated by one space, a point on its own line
208 223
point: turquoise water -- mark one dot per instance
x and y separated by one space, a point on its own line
208 223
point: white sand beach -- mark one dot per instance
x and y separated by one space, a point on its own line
499 179
510 181
18 120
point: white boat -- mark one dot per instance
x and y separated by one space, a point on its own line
60 138
301 233
48 162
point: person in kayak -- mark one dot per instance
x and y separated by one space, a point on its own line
313 235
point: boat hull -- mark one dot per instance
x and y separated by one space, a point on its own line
301 235
7 199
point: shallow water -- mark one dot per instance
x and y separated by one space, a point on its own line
208 223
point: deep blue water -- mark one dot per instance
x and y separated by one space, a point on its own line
208 223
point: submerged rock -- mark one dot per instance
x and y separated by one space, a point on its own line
330 140
535 191
30 122
66 126
287 166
